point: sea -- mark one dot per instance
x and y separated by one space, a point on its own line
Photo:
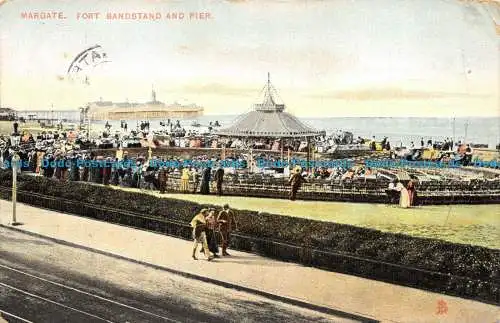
399 131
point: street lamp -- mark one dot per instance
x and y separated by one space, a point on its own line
87 108
15 140
15 165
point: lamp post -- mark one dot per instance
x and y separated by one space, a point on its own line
15 139
88 121
15 161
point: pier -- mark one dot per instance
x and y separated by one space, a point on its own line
65 115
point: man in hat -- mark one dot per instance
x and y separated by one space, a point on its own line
227 223
296 181
199 225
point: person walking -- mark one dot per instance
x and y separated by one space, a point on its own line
199 225
227 223
296 181
219 178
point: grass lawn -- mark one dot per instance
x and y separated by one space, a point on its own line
468 224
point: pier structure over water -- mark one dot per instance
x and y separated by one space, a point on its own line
54 115
154 109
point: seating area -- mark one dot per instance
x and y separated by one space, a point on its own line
429 186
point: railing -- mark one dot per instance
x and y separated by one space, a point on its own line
305 254
352 191
359 190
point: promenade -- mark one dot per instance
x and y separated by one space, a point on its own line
367 298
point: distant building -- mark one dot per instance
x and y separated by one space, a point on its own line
7 114
107 110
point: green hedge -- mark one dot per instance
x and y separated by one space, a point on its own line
480 265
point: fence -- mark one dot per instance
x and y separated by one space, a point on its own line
369 191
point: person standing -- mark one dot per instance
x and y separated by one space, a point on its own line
199 225
219 178
393 192
74 173
412 192
227 223
373 144
296 181
162 179
196 180
106 172
205 181
40 155
468 155
185 180
404 199
213 245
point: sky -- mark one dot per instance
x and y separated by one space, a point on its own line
436 58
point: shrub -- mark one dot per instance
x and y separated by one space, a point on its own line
474 262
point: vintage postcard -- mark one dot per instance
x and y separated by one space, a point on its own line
250 161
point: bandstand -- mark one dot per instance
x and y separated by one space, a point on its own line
268 120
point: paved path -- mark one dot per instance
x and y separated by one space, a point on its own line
367 298
44 281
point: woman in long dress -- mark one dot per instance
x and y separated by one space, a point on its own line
205 181
185 180
411 193
404 200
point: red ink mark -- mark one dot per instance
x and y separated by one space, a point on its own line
442 307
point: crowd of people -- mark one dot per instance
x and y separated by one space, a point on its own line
56 154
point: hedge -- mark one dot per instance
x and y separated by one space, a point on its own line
469 271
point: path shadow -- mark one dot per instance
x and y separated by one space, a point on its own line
245 260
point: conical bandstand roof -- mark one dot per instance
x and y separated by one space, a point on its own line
268 119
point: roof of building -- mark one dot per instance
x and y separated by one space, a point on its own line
268 119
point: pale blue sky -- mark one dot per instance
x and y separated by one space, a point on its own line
334 58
